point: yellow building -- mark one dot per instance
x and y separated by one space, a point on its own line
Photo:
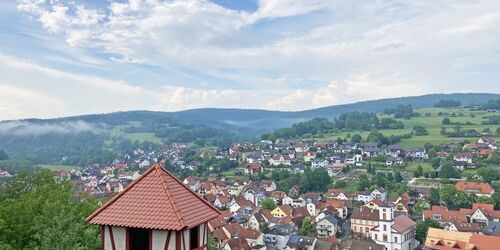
282 211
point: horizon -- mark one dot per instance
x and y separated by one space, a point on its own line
256 109
68 58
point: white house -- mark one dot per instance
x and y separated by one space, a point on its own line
319 163
280 160
327 226
394 233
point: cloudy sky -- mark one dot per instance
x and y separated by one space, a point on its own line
69 57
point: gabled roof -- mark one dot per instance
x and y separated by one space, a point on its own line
156 200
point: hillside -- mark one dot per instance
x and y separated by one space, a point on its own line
79 140
255 122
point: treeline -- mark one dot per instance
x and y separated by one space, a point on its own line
352 121
69 148
316 180
38 212
491 104
401 111
201 135
445 103
458 131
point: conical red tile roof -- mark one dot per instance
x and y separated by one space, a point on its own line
157 200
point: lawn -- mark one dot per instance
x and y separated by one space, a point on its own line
56 167
412 166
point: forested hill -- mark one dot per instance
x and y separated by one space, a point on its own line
80 140
255 122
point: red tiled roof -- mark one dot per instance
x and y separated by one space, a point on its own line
254 166
475 187
157 200
402 223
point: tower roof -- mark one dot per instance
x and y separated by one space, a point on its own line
157 200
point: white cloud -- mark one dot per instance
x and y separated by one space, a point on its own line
286 55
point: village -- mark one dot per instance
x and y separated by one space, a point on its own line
355 210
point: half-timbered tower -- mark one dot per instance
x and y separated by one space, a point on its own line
155 212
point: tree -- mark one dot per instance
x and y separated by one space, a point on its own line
40 212
418 172
488 174
268 204
264 228
447 194
3 155
307 227
447 172
397 177
446 121
420 130
356 138
423 227
434 196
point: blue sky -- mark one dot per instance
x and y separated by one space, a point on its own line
61 58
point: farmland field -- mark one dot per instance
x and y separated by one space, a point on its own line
56 167
430 119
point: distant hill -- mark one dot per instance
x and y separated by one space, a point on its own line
255 122
87 139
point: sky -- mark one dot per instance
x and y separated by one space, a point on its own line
60 58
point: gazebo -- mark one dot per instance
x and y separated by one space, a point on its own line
155 212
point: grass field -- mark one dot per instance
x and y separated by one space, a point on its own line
56 167
118 131
430 119
412 166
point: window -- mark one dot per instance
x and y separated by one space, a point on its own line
384 237
395 239
385 227
138 239
194 236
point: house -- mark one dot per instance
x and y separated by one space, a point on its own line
255 195
463 157
278 196
294 191
253 237
394 232
254 158
192 182
338 194
354 160
312 197
278 236
438 239
319 163
282 211
339 206
365 244
254 168
222 202
481 214
363 219
418 153
294 202
280 160
268 185
298 242
366 196
239 243
256 221
298 168
393 161
371 151
327 226
394 150
309 156
478 188
157 200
